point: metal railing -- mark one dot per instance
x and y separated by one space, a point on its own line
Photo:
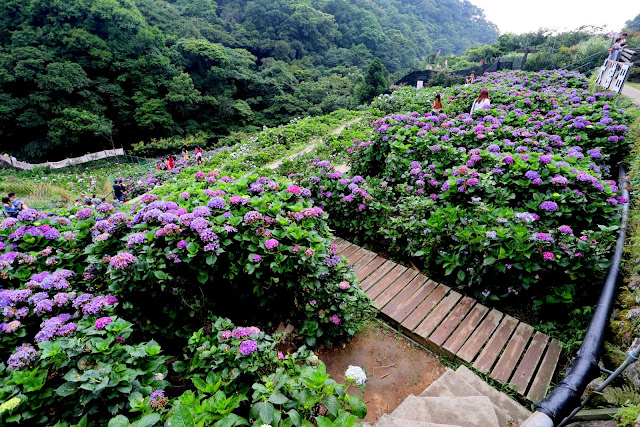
603 54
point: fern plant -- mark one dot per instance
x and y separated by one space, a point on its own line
627 415
624 395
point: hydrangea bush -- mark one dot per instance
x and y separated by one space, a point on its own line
254 249
515 200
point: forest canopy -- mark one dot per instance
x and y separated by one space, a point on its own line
82 75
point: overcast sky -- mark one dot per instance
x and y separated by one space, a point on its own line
522 16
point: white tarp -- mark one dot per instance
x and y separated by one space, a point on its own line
66 162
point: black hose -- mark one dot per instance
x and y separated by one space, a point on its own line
566 396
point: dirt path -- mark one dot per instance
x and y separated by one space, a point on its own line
313 143
631 93
395 367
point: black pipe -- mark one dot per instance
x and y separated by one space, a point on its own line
584 368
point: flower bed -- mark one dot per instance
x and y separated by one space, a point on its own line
517 200
254 249
246 156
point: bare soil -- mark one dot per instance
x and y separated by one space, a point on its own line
395 367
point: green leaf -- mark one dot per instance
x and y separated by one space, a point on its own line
179 366
332 404
67 389
199 383
345 420
160 275
182 417
324 422
119 421
296 419
278 398
358 407
193 248
82 422
489 260
147 421
203 277
264 411
231 420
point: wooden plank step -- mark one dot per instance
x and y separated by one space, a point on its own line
511 355
343 245
454 325
464 331
472 346
431 322
378 274
362 262
423 308
498 339
350 251
395 273
357 255
364 271
400 283
541 382
527 367
398 301
448 325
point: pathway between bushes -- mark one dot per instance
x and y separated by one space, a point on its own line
313 143
457 327
632 93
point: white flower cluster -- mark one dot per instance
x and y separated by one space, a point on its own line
356 374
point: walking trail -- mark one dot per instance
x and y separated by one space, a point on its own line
631 93
313 143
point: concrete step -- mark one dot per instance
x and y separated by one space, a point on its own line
451 384
472 411
500 400
389 421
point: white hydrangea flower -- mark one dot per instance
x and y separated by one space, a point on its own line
356 374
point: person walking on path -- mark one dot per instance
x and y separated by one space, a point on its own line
481 102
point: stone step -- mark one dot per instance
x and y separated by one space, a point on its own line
389 421
472 411
452 385
516 411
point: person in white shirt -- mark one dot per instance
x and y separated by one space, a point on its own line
481 102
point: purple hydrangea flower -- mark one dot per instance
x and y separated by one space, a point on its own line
102 322
217 203
23 356
271 244
549 206
121 260
247 347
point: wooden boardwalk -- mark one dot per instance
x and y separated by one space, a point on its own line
456 326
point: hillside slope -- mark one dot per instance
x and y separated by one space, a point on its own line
83 75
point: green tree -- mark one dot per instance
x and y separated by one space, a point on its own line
375 81
633 24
